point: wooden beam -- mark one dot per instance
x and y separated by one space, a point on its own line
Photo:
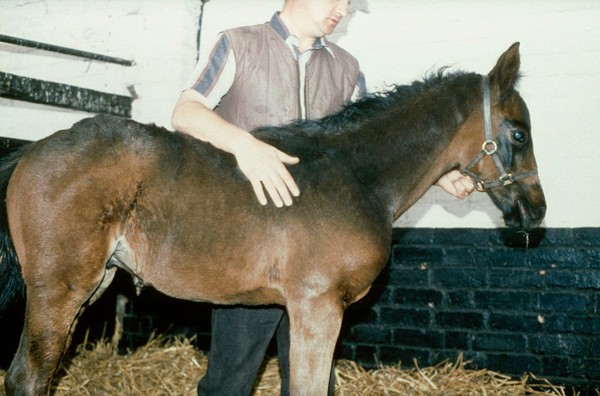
64 50
72 97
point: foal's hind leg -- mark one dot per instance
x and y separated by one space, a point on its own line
314 328
57 290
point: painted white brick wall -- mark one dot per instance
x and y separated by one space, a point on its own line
396 42
159 36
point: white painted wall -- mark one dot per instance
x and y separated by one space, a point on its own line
160 36
396 42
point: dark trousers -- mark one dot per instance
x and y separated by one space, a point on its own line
240 338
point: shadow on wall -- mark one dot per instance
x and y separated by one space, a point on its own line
342 28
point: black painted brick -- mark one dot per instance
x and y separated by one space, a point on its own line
499 342
362 312
458 256
525 323
460 299
562 302
565 257
413 236
559 237
460 320
582 279
459 278
587 367
513 363
405 355
565 345
419 338
370 334
403 255
592 257
522 278
503 258
557 366
588 279
562 278
405 317
504 300
458 340
345 350
584 236
366 355
467 237
417 297
409 277
585 325
450 237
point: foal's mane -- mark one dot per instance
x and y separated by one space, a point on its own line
352 116
372 103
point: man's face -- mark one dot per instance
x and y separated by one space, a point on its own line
325 15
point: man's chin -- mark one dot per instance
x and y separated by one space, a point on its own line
329 27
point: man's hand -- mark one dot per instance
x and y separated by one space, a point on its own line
264 166
457 184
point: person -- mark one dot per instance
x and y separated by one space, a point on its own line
268 74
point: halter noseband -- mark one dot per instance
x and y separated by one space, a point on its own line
490 147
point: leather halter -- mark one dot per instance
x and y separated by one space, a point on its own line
490 147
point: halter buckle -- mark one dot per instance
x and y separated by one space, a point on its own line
480 185
507 179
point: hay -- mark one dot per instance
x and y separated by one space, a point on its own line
173 367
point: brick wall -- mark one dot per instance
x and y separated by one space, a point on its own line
508 309
451 291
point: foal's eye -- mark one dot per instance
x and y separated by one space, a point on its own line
518 136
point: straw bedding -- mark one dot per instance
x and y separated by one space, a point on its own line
173 367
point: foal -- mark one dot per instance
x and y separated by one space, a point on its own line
178 215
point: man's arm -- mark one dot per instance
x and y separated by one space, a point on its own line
261 163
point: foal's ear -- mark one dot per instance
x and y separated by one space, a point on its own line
506 72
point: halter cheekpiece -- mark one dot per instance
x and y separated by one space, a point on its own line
490 147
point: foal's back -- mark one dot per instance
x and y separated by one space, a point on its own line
177 214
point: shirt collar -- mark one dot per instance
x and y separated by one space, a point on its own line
279 26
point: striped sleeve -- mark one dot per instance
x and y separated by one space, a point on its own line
361 87
213 75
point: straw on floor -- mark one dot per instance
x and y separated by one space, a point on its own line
173 367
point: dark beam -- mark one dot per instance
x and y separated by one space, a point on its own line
64 50
8 145
50 93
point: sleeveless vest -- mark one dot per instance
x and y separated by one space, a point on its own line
266 86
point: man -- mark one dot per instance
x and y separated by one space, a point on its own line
268 74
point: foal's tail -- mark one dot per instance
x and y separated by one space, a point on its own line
12 286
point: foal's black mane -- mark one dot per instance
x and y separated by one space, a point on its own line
354 114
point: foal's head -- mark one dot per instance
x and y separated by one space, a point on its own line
505 166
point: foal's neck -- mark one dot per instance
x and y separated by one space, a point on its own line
411 144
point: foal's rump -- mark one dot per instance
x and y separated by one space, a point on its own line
12 286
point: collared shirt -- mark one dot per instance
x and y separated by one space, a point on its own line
214 74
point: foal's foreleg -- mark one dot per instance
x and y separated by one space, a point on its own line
314 329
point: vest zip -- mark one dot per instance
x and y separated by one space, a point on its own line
298 89
306 111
